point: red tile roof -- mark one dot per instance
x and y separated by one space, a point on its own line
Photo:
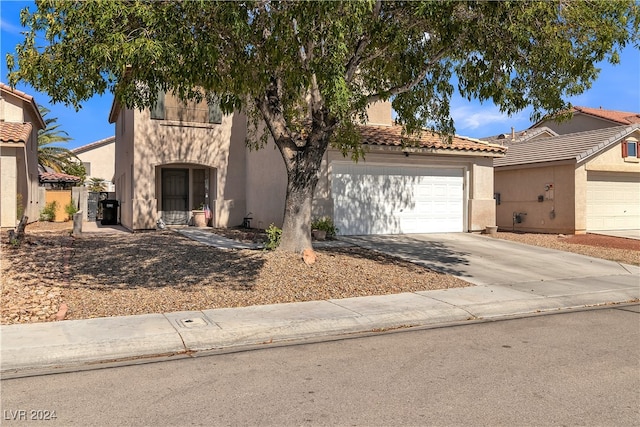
16 92
57 177
15 132
392 136
622 117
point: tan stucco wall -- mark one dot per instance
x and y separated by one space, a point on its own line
25 157
482 206
11 109
519 190
145 145
611 160
379 113
8 186
266 186
123 166
102 160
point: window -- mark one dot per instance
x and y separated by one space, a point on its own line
87 168
630 148
170 107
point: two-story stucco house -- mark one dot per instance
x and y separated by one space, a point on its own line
585 119
178 157
20 122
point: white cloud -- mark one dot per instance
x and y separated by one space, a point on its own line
10 27
474 119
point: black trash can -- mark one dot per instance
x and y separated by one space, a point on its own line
109 212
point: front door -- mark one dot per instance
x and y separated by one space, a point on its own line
175 196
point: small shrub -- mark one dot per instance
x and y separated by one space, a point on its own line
71 209
48 213
273 237
325 224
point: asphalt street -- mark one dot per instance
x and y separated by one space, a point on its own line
575 367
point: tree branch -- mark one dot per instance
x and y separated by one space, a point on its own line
354 62
409 85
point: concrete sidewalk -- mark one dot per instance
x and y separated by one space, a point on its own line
539 280
33 348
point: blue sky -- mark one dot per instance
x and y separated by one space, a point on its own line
617 88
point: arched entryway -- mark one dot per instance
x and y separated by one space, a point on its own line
183 188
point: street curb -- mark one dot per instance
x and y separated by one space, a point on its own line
78 343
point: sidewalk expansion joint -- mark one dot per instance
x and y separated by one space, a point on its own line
184 345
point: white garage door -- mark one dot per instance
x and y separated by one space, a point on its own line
613 201
397 199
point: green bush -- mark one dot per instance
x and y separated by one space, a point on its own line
48 213
273 235
325 224
71 209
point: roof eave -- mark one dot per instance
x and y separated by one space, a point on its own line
433 151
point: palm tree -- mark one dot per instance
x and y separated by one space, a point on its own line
57 158
97 185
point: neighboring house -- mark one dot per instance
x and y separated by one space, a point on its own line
20 122
514 137
178 157
571 183
99 160
585 119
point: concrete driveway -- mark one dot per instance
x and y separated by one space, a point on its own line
483 260
627 234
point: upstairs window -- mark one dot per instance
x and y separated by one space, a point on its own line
170 107
630 148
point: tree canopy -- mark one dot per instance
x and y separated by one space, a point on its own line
308 70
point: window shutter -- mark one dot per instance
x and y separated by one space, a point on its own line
624 149
157 111
215 113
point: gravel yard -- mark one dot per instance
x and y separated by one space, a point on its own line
162 271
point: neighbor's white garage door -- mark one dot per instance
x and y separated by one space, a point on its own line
613 201
397 199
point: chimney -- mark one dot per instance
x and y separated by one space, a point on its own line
513 133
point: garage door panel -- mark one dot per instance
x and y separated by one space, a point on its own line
613 201
394 200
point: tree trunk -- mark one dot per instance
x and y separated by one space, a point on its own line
303 171
302 177
302 158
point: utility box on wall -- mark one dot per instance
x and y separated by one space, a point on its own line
548 191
